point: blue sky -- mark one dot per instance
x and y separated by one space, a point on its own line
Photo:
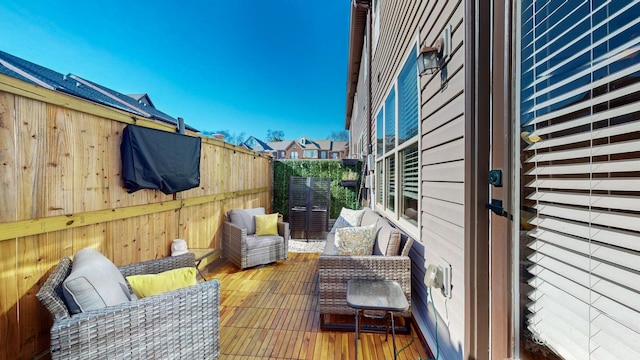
242 66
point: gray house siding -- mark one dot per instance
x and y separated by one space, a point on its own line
442 169
404 25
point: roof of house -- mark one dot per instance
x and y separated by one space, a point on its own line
253 143
74 85
142 99
259 145
328 145
280 145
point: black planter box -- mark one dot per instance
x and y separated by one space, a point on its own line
350 162
349 183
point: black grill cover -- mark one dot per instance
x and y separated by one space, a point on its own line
155 159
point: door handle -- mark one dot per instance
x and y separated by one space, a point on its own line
496 206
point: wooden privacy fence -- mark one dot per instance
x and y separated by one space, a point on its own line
62 191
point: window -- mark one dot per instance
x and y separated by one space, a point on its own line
323 154
390 121
390 180
310 154
380 184
281 155
407 103
579 124
409 197
380 133
294 154
397 148
335 155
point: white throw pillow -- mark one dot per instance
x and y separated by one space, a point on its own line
348 218
355 240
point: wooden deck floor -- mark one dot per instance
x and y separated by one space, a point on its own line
272 313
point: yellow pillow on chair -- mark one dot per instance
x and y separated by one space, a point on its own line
267 224
154 284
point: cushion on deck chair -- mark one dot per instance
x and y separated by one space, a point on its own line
369 217
388 239
153 284
347 218
257 242
94 283
244 218
266 224
355 240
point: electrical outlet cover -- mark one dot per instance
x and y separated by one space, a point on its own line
431 276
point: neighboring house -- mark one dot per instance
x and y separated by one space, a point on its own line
302 148
139 104
545 250
253 143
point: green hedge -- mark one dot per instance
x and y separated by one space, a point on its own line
334 169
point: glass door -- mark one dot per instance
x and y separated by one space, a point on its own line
578 230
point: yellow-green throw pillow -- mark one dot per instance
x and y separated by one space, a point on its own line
267 224
153 284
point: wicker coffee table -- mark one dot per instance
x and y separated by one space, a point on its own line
376 295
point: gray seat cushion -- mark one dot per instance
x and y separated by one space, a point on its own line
244 218
257 242
94 283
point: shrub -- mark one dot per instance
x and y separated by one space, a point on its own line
332 169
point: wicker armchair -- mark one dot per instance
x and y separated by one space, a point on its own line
181 324
237 246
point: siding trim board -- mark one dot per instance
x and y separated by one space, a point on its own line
477 58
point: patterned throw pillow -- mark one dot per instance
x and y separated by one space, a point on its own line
347 218
355 240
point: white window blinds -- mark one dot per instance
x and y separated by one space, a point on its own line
410 184
580 125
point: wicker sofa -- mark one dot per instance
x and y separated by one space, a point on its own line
244 248
181 324
336 270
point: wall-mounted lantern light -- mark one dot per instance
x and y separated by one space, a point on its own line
432 58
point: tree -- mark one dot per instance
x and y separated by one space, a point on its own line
275 135
342 135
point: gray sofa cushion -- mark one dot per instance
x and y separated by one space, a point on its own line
94 283
330 245
257 242
388 239
369 217
244 218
